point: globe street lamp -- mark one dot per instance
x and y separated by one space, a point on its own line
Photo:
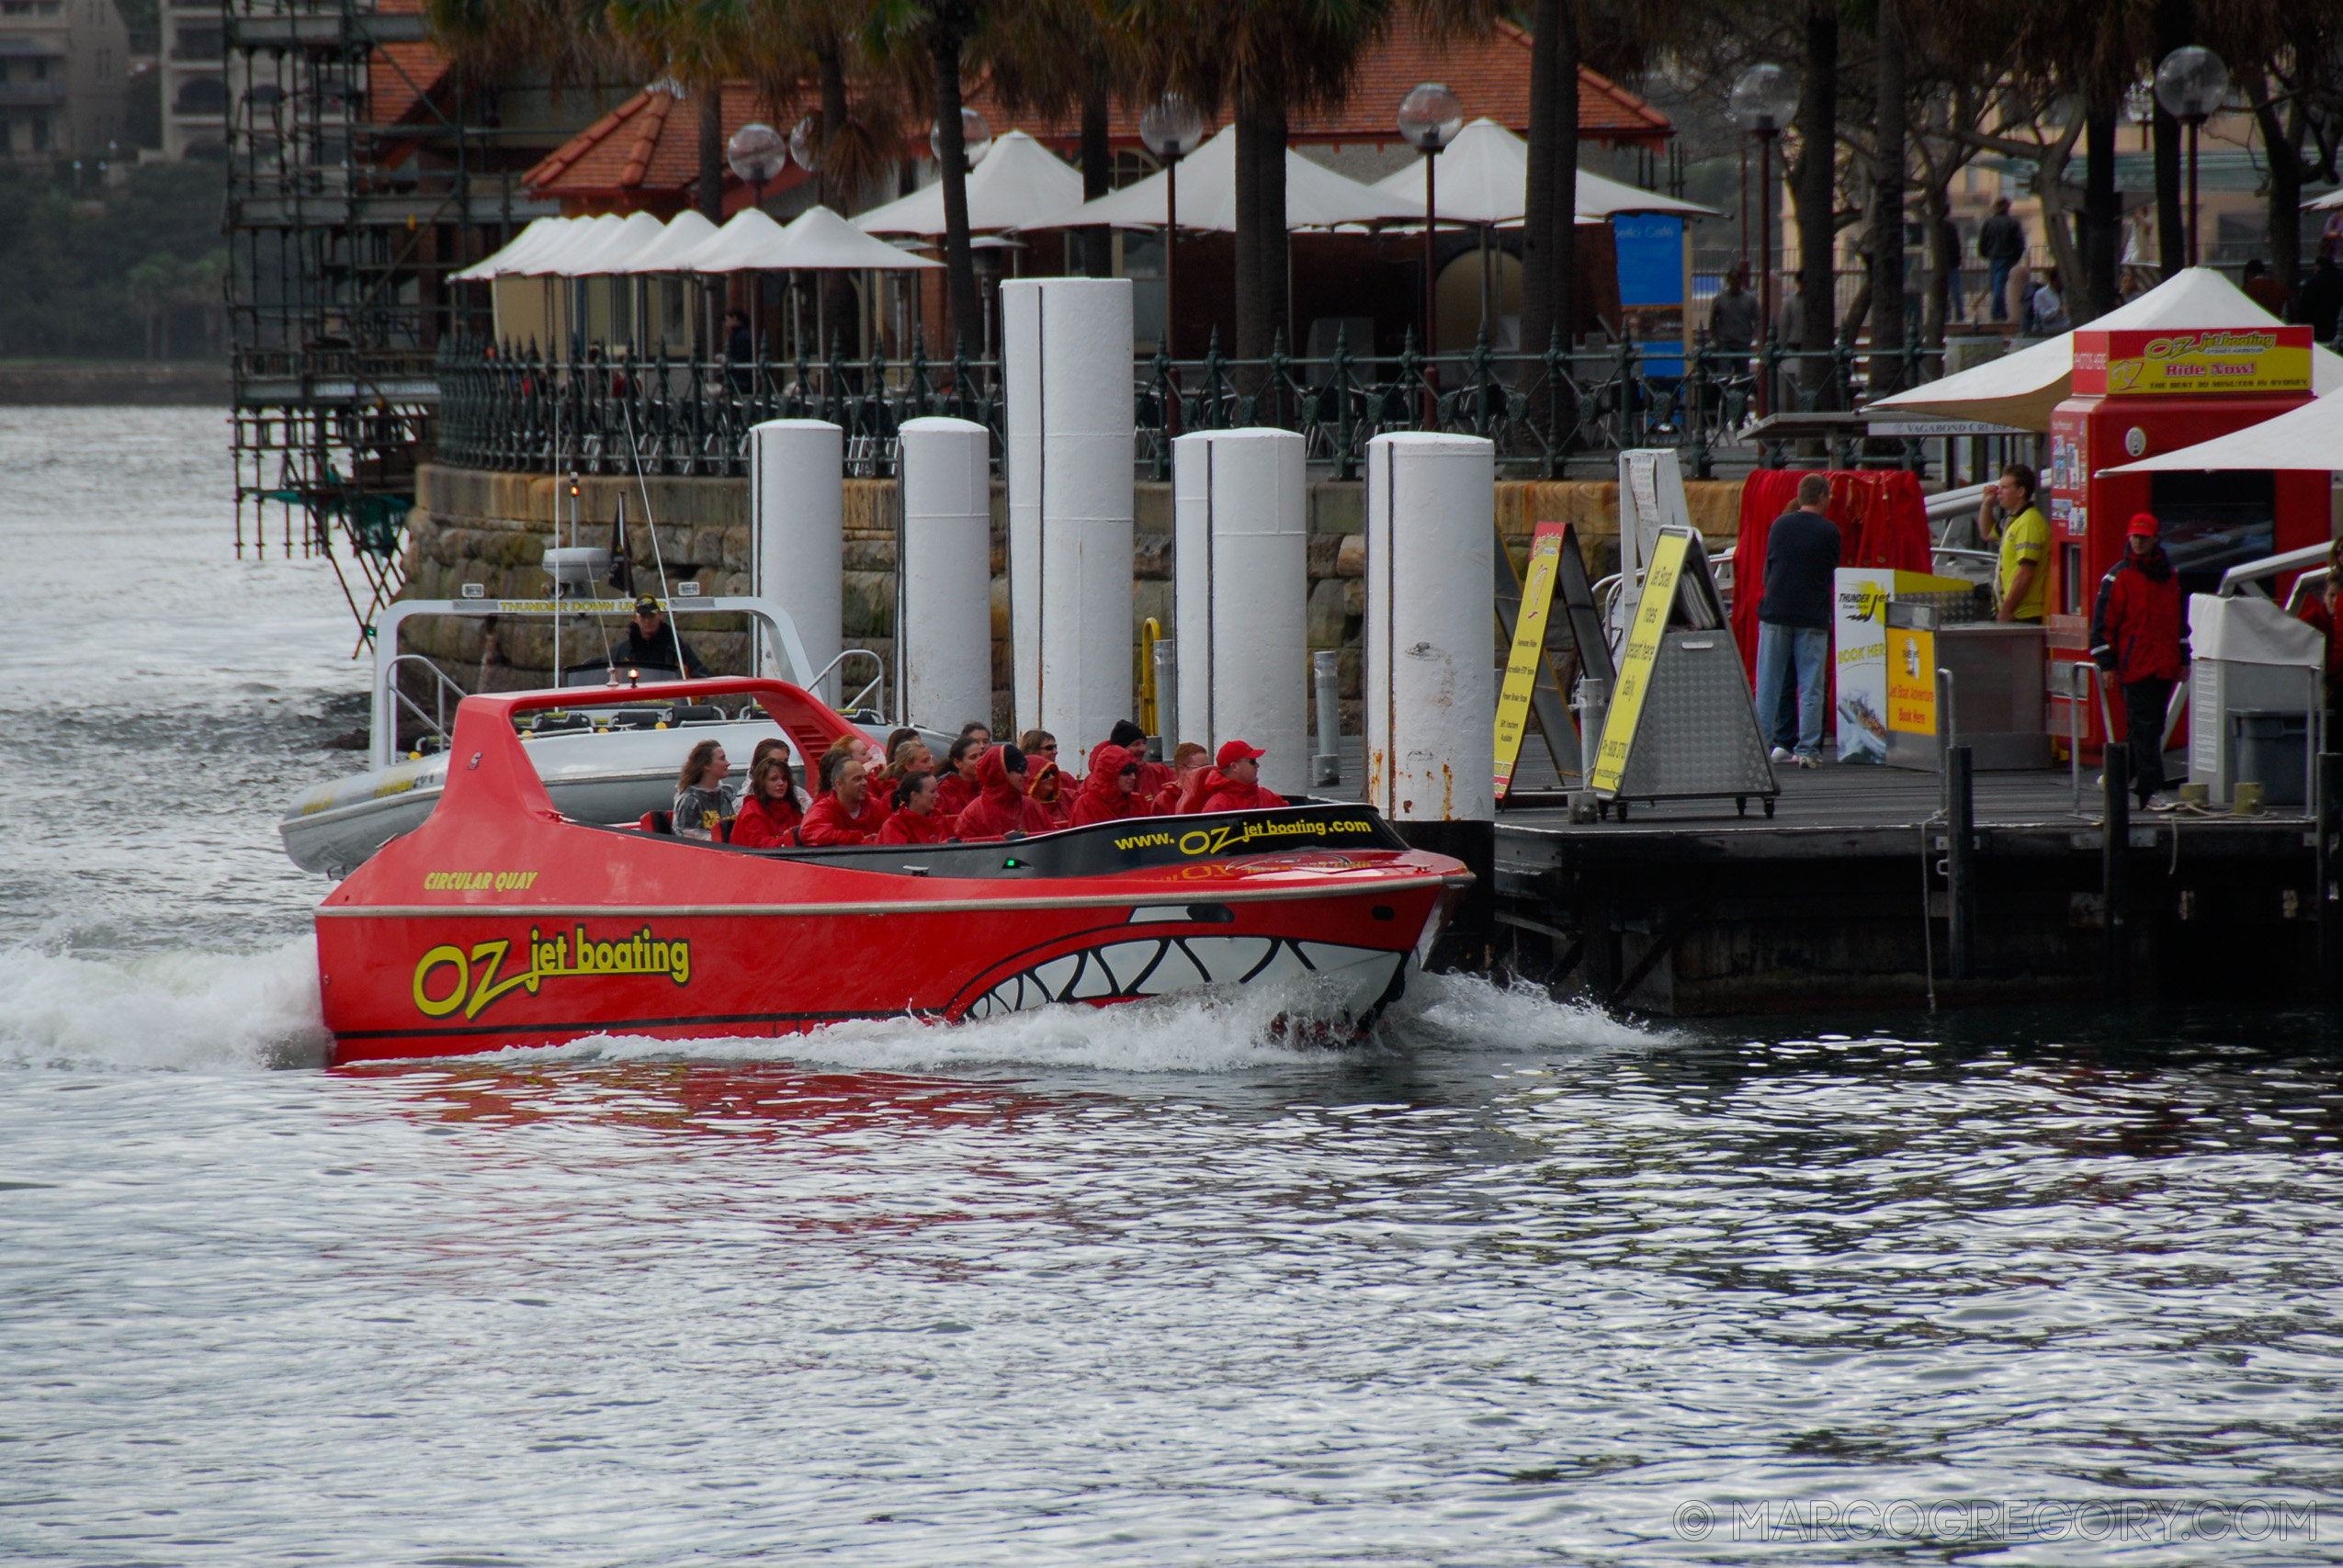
976 140
2190 82
1429 117
1764 97
1172 127
757 155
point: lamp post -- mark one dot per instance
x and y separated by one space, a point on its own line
1764 97
757 154
976 140
1429 117
2190 82
1172 127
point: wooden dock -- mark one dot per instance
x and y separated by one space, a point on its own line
1847 897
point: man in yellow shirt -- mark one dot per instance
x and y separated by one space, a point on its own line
2010 513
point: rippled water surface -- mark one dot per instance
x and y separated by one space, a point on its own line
1514 1283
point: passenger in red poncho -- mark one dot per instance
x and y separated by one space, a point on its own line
1153 777
1111 791
1234 784
958 779
846 815
1002 808
916 819
1184 790
772 814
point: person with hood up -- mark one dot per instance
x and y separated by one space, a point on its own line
1153 777
844 813
916 819
959 778
2138 635
1234 783
1003 808
1111 791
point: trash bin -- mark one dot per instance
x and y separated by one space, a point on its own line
2271 748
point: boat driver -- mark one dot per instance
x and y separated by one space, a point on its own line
649 643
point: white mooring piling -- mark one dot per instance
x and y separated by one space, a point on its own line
797 528
1066 372
945 638
1240 595
1431 659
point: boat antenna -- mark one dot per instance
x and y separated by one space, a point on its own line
650 526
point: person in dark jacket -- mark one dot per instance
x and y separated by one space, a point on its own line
2001 241
1794 618
2138 636
1003 808
1153 777
2321 302
650 641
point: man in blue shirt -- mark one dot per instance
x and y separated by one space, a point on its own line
1794 618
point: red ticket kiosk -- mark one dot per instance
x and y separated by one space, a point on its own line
2138 393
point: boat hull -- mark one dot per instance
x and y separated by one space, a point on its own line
501 921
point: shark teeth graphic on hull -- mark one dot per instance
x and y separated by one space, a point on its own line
1354 977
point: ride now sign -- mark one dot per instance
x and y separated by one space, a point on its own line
2192 363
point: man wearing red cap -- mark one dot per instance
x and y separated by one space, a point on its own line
2137 633
1234 783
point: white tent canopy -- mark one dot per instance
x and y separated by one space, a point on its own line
2309 438
819 240
1316 197
1020 184
540 234
581 239
2020 390
816 240
1484 178
613 250
686 232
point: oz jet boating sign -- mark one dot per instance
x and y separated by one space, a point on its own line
2270 358
450 978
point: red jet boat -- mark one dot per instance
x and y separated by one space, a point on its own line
500 922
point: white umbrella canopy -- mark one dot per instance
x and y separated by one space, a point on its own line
743 244
1021 184
1485 176
2020 390
2309 438
615 249
541 233
2327 203
686 232
818 240
582 237
1316 197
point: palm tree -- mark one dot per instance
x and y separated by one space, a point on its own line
926 42
1264 58
1050 57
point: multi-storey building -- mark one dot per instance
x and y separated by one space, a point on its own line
62 68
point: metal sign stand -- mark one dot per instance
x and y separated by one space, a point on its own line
1681 725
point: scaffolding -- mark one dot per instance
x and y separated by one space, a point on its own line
360 174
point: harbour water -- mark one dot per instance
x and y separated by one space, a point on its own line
1513 1282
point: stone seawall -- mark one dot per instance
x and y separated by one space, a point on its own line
472 526
128 383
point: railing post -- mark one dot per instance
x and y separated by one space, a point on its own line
1703 461
1346 456
1557 399
1960 862
2115 868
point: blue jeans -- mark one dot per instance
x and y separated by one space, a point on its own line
1997 280
1779 648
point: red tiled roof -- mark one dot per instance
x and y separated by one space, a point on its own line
643 155
402 75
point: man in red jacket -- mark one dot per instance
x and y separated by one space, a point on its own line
1234 784
1003 808
848 815
916 819
2138 636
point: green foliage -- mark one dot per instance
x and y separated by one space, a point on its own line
85 277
